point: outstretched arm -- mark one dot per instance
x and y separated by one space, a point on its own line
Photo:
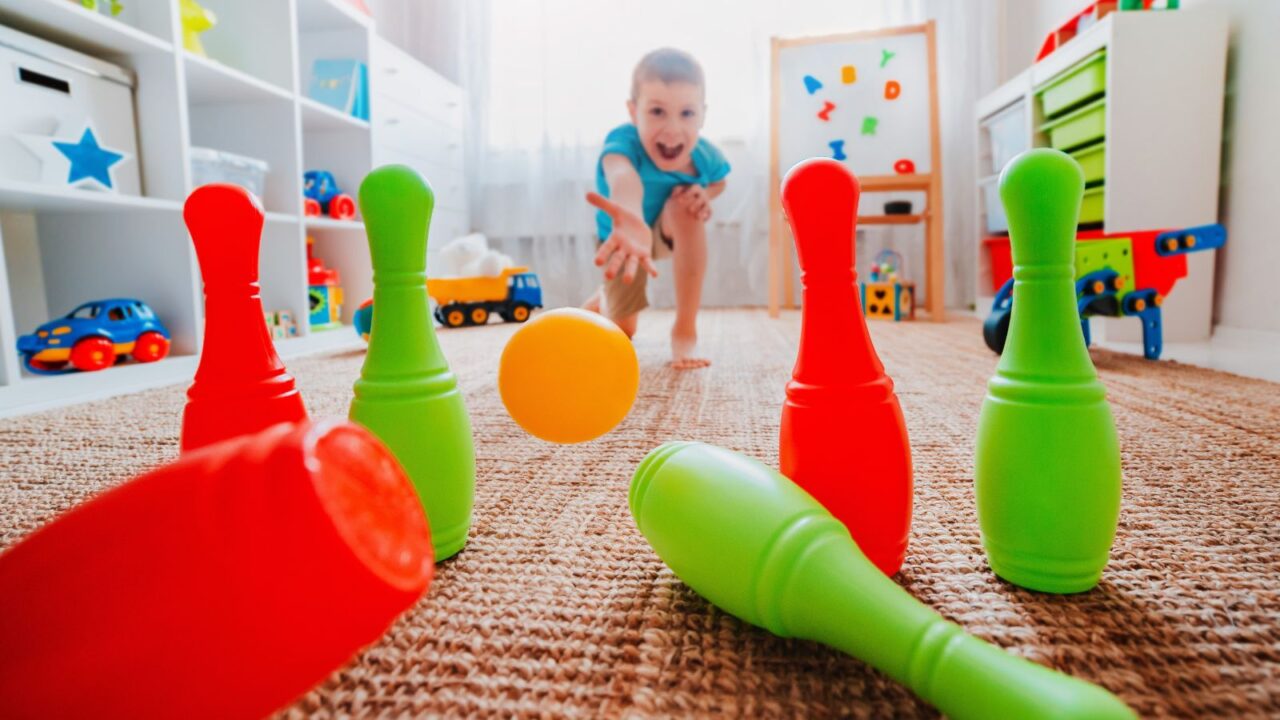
630 246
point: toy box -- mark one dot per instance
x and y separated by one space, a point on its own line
280 324
884 295
68 118
889 300
324 290
216 166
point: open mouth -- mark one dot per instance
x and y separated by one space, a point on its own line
669 152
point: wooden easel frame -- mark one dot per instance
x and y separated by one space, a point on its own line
781 290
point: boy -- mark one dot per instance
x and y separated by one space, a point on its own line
655 180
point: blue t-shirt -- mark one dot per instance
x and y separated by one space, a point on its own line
709 163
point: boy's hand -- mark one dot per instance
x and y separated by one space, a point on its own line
629 246
695 199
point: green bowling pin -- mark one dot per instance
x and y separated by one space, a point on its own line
756 545
406 394
1047 472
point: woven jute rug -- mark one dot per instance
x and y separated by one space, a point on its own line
558 607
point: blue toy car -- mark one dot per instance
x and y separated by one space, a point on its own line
94 336
321 194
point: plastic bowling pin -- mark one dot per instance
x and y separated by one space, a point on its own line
406 394
1047 474
241 386
223 585
756 545
843 438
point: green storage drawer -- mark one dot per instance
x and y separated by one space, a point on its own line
1086 125
1079 84
1091 206
1093 161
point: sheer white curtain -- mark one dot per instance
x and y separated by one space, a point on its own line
548 78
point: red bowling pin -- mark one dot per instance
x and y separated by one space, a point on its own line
241 385
843 437
223 585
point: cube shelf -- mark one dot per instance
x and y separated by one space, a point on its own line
247 95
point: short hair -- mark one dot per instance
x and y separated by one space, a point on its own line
668 65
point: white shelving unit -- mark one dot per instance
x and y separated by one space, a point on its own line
60 247
1165 77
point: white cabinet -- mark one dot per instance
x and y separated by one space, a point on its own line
61 246
418 120
1164 85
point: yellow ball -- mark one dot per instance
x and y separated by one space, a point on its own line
568 376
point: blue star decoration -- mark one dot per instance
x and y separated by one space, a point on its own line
89 159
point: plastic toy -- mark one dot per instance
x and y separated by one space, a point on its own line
513 295
324 288
322 194
241 386
461 301
281 325
363 319
1116 275
233 580
884 297
94 336
406 393
195 20
1089 16
843 438
569 376
757 546
1047 473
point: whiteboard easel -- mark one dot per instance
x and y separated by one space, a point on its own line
917 135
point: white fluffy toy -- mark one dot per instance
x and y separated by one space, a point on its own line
469 256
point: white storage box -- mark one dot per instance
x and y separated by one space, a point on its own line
996 221
216 166
66 119
1007 135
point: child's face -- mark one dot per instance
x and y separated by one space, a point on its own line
668 118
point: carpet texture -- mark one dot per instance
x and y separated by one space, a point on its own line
558 607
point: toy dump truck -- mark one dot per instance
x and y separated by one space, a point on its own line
1117 275
461 301
471 300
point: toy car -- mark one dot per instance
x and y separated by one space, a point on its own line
322 194
94 336
1117 275
513 296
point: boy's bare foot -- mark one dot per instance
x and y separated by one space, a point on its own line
684 352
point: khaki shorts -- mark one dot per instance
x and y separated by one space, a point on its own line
621 298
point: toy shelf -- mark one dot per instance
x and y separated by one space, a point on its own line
27 196
209 81
60 247
142 29
319 117
324 223
1162 109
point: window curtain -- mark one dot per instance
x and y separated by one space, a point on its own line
547 79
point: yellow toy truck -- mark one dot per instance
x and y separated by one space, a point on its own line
461 301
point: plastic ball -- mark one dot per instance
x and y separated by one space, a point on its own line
568 376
